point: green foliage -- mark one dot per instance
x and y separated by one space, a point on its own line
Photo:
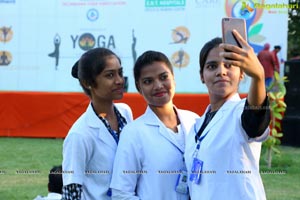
276 95
294 30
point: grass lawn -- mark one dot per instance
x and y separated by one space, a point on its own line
37 156
282 182
25 163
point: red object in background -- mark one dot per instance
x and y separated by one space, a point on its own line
51 114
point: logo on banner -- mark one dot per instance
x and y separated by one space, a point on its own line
180 35
55 53
5 58
180 59
92 15
87 41
243 9
164 3
6 34
246 9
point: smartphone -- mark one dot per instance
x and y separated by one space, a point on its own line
228 24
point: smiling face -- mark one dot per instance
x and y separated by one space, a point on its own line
221 80
110 82
156 83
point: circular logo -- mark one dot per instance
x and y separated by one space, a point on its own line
244 9
5 58
6 34
86 41
92 14
180 34
180 59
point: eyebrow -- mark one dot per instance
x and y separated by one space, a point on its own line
211 62
163 73
112 70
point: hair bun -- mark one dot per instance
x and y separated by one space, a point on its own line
74 71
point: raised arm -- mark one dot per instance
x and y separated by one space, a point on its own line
246 59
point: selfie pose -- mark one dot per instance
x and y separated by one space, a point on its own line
223 149
90 146
149 161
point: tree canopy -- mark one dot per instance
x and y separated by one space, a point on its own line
294 29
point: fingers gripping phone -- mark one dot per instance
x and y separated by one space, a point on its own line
228 24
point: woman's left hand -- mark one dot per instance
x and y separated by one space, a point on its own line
243 57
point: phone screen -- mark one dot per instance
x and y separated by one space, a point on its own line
228 24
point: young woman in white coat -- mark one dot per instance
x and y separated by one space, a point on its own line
149 161
90 146
223 150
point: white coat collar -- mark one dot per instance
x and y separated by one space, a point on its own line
93 121
153 120
219 114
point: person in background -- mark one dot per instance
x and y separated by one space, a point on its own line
90 146
55 184
149 161
223 149
276 49
266 59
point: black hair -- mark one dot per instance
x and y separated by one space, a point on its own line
55 180
277 47
90 65
148 58
206 49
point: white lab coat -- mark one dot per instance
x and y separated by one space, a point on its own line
88 154
50 196
148 159
230 158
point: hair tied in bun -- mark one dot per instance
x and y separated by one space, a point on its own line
75 70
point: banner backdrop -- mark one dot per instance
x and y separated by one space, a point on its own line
41 40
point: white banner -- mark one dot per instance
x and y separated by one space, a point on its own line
41 40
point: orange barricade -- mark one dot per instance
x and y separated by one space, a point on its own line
51 114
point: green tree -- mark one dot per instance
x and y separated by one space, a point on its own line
294 29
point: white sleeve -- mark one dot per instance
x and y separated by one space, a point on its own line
127 163
122 195
39 197
75 158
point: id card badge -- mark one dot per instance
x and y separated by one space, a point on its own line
182 184
196 171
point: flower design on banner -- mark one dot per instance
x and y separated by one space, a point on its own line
246 9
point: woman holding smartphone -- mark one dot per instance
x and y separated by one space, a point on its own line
223 150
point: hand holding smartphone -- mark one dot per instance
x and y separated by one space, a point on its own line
228 24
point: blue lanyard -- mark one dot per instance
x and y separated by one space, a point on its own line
121 123
200 140
198 145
